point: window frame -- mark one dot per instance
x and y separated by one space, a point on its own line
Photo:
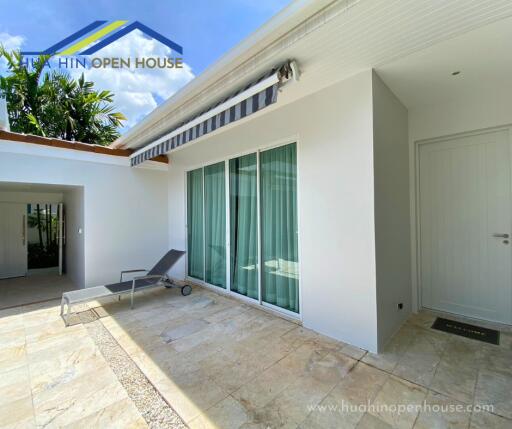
259 302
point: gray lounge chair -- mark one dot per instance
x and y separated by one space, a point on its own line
157 276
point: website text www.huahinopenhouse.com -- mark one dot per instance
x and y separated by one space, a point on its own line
348 407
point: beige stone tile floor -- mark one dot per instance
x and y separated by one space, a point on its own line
221 363
53 376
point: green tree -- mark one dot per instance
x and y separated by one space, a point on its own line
53 104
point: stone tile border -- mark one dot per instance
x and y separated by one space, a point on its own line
155 410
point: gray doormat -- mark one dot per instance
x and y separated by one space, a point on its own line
486 335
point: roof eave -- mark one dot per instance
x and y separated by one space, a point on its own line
280 24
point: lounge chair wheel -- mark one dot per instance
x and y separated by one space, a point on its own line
186 290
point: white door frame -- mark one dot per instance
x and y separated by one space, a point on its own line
23 236
415 189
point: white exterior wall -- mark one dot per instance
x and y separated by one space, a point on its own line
125 210
475 112
333 130
392 231
464 114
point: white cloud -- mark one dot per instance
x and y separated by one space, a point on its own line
136 90
10 43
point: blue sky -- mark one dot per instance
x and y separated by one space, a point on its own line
206 29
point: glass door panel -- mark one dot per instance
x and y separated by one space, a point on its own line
195 224
279 247
243 218
215 224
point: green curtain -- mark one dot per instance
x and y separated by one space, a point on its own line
243 225
280 276
195 223
215 224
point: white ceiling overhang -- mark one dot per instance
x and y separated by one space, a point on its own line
340 40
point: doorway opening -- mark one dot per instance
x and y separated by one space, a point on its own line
45 238
39 259
464 204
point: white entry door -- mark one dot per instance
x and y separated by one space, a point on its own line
13 240
465 226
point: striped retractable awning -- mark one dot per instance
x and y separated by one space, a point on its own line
250 99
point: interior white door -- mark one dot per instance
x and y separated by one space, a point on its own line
13 240
465 226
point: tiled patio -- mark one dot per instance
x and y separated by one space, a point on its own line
221 363
51 376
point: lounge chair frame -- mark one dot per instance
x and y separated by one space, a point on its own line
138 283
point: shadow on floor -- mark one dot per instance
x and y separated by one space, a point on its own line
33 289
221 363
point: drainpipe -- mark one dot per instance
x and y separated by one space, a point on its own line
4 116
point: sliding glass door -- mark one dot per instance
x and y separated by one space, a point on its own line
206 221
243 217
215 224
261 228
279 248
195 224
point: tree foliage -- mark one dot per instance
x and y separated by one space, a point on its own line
53 104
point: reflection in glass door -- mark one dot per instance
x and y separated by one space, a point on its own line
195 232
215 224
279 247
243 219
261 262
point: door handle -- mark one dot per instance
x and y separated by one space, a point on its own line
23 231
500 235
